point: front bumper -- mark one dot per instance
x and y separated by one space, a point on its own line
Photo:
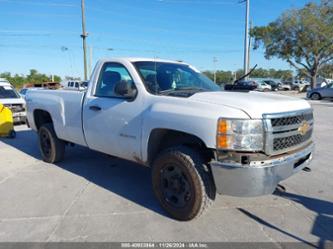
260 178
19 117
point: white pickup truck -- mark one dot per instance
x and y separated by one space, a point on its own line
197 139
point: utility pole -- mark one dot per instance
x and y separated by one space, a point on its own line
90 59
84 36
249 50
246 40
215 61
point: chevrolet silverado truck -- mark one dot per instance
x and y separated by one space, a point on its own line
197 139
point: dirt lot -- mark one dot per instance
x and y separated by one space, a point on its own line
92 197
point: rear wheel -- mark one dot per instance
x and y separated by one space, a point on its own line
183 183
51 147
315 96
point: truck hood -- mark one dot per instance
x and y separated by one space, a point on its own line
254 104
12 101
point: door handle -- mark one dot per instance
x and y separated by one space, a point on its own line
95 108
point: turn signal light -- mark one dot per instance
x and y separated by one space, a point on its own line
222 126
222 141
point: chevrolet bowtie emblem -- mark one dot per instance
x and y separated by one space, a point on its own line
303 128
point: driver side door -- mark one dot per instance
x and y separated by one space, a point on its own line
329 90
112 123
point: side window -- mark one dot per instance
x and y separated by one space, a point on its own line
110 75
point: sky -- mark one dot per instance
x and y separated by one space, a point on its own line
45 34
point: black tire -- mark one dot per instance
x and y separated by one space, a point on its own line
315 96
12 134
51 147
183 183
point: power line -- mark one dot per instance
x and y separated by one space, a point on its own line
165 30
104 34
196 2
46 15
154 11
41 3
43 32
170 49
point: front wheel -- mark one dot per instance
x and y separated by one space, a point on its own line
12 134
315 96
183 183
51 147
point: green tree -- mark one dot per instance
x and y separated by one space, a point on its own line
302 37
57 78
221 76
33 77
327 71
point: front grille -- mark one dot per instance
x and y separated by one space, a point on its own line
290 141
288 131
15 107
291 120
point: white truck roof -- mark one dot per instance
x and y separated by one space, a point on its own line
135 59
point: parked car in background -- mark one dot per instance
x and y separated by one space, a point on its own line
10 98
262 86
275 86
285 86
74 85
300 85
243 85
320 92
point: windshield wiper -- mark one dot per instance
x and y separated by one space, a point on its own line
182 89
244 76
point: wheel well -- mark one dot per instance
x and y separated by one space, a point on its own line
161 139
41 117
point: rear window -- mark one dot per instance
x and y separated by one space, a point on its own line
7 92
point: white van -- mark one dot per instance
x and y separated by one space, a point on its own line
10 98
74 85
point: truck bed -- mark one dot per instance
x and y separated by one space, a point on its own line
65 107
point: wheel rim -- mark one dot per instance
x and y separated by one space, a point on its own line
45 143
175 186
315 96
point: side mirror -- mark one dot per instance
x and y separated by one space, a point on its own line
84 84
124 89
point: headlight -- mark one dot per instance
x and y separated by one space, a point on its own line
243 135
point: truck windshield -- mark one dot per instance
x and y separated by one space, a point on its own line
7 92
163 78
